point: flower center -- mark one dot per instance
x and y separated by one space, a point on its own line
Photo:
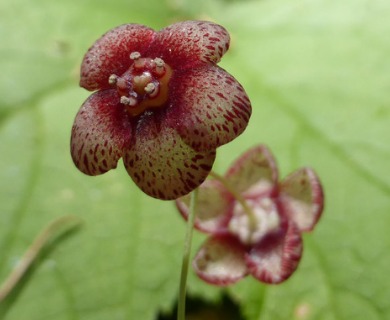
144 85
266 217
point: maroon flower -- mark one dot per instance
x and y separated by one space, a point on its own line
264 238
162 104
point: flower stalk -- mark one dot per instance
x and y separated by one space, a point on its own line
181 309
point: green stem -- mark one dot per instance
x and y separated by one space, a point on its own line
240 199
53 229
181 308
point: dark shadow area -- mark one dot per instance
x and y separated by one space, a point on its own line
198 309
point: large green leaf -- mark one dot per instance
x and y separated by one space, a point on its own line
317 74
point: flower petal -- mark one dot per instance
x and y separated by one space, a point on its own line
161 164
189 43
255 173
221 260
301 198
110 54
100 130
276 257
209 107
214 207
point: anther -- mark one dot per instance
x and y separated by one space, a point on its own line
135 55
160 69
138 61
128 101
150 88
112 79
159 62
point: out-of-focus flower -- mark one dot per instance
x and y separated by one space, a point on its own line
161 103
260 234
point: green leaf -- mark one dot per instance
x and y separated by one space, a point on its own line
317 74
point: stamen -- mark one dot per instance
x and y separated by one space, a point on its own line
135 55
128 101
160 66
159 62
112 79
138 61
150 87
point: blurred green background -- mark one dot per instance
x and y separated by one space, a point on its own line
318 75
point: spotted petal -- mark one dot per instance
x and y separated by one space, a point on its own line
189 43
209 107
301 197
100 131
277 256
161 164
221 260
213 209
110 54
254 173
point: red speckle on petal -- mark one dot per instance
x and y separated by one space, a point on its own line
211 98
221 95
205 167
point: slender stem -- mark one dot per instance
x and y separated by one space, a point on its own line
52 230
251 215
181 308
